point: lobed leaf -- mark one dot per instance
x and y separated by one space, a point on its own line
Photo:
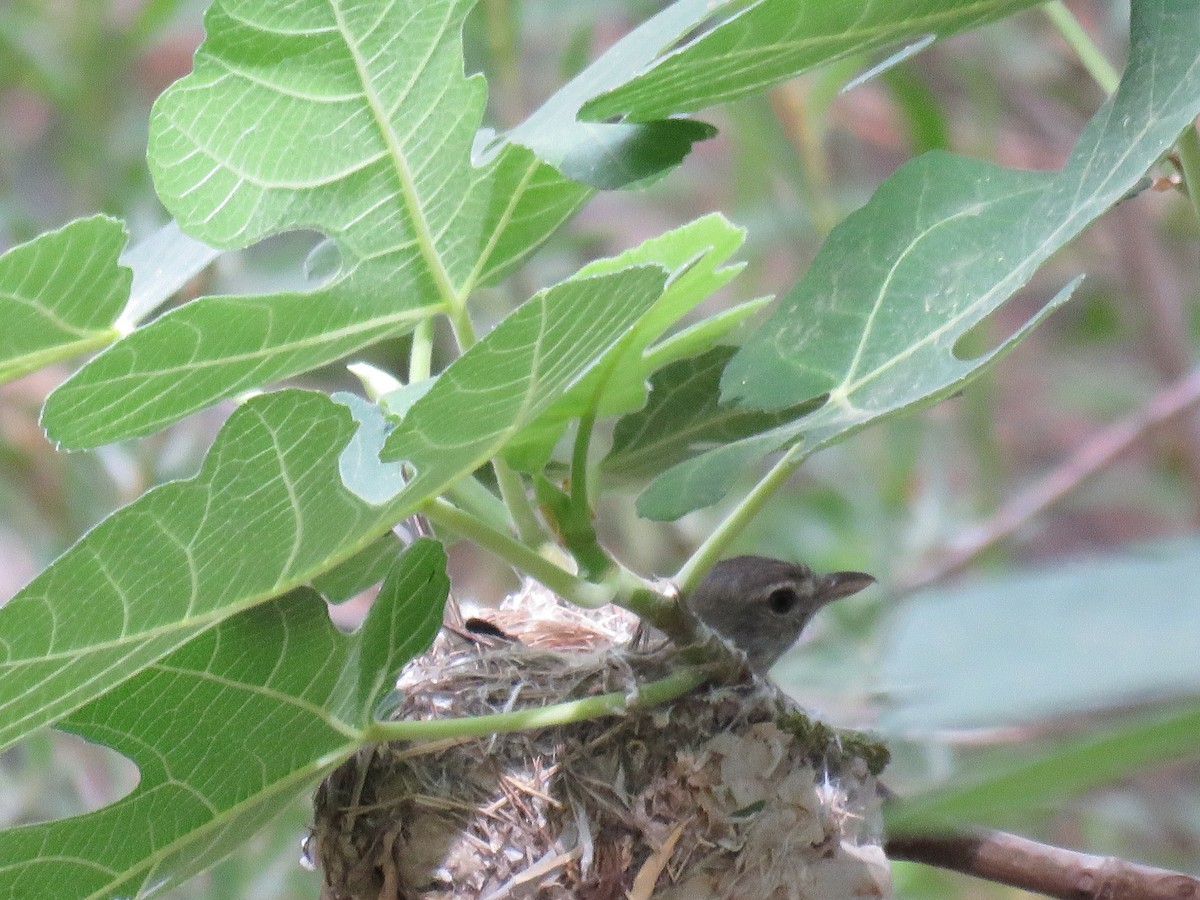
207 350
352 119
684 418
743 47
356 121
60 295
365 568
224 730
268 510
539 352
871 327
609 155
266 513
693 255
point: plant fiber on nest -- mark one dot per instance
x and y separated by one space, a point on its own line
726 792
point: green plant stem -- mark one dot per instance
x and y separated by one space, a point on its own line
512 489
649 602
460 322
1085 48
678 683
472 497
579 461
518 555
715 545
420 359
1188 146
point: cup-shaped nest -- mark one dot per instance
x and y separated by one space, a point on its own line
729 791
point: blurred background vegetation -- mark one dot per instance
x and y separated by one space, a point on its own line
911 501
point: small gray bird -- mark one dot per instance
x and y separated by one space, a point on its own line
761 605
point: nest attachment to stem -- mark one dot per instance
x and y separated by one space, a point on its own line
726 792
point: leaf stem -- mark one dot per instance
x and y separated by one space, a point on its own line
579 460
678 683
1188 146
1085 48
518 555
715 545
512 490
420 358
460 322
472 497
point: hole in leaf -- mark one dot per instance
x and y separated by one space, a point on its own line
1001 325
996 327
55 775
727 12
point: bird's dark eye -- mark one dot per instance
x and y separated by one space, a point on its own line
782 600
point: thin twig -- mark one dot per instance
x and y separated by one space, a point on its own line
1052 871
1094 456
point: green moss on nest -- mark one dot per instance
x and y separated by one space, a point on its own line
835 747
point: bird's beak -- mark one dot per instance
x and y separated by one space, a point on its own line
837 585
